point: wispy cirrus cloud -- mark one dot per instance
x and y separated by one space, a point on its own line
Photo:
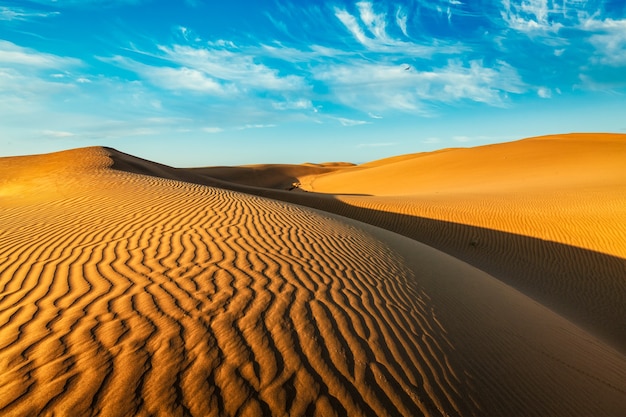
15 55
89 3
532 15
232 65
370 29
61 95
379 87
218 69
22 14
401 20
609 40
256 126
177 79
584 42
212 129
28 75
57 134
350 122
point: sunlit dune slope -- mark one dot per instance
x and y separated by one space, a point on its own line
542 163
569 189
128 294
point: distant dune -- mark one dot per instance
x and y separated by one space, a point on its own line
278 176
133 288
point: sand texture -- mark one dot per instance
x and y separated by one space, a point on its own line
133 288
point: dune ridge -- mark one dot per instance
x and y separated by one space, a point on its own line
130 294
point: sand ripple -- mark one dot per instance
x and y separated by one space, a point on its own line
126 294
144 296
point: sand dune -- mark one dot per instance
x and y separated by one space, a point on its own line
542 163
569 189
280 176
130 288
544 215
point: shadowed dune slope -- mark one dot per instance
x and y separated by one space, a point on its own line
126 294
279 176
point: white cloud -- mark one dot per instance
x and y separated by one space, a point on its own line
375 23
350 122
89 3
182 79
57 134
352 25
22 85
544 92
256 126
232 66
531 16
223 72
380 41
375 87
401 21
212 129
25 78
15 55
17 13
301 104
609 40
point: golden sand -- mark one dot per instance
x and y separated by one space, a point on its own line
133 288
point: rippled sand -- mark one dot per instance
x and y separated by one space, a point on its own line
130 294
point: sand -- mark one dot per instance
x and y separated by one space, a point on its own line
133 288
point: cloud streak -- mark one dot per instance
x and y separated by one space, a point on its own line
15 55
380 87
609 41
22 14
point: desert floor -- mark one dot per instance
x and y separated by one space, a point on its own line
486 281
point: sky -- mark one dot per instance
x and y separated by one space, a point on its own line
208 82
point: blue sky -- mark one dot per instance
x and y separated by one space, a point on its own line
206 82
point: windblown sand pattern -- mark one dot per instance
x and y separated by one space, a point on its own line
136 295
126 294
